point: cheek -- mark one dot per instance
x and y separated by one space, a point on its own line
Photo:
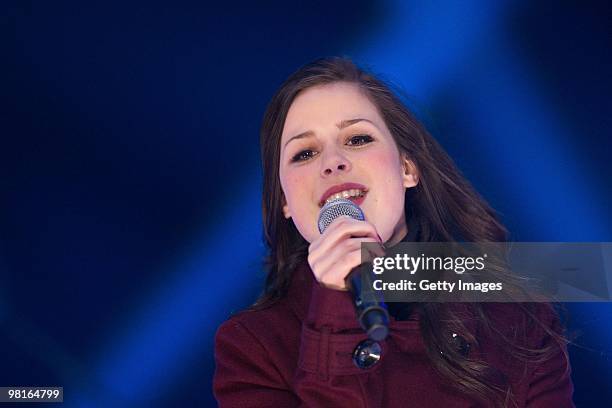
387 208
388 168
294 188
385 154
298 185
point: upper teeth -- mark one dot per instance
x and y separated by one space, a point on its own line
345 194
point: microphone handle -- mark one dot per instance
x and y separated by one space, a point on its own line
371 310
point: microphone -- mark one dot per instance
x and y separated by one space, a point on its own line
371 310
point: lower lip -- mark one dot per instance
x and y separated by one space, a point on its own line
357 200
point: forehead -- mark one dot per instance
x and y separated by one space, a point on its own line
326 105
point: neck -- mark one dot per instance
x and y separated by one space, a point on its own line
400 231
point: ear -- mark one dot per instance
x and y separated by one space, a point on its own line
286 211
411 175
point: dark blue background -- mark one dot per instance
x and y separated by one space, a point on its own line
130 174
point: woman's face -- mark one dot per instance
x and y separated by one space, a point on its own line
334 135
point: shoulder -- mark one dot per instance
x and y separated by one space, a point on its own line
271 328
525 340
531 327
527 321
256 356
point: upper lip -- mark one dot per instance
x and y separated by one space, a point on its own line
341 187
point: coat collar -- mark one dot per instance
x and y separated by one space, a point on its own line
300 289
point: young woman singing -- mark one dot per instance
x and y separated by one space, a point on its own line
334 130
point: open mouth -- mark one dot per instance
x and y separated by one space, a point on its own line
354 194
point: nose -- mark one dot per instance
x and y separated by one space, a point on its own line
334 163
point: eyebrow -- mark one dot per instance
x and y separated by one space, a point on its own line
343 124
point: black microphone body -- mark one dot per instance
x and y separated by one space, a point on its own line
371 310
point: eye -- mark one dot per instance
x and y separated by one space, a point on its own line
359 140
303 156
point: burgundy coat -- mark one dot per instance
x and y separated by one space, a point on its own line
298 353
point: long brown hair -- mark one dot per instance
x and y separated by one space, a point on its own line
443 205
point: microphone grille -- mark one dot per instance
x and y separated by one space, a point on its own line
335 208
